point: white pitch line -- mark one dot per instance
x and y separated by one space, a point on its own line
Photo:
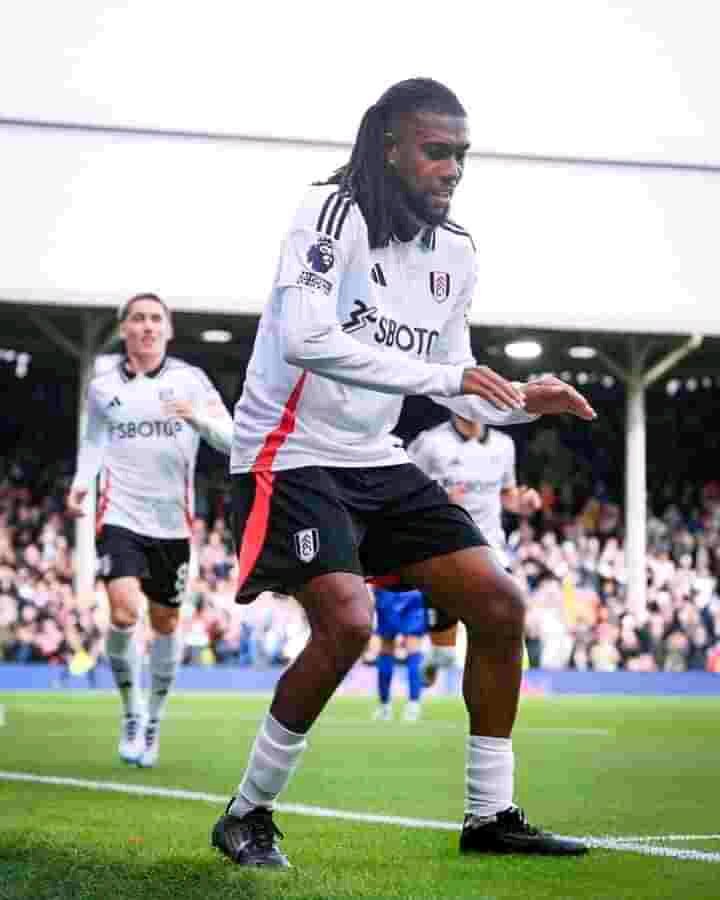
627 845
672 837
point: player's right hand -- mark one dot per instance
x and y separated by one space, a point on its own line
483 382
74 503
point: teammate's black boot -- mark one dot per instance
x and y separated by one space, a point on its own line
249 840
510 832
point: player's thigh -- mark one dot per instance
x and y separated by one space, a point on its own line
471 585
291 527
122 565
415 522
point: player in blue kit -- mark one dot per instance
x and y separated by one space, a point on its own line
400 612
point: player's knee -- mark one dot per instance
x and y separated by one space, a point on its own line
123 616
353 630
350 627
164 619
499 611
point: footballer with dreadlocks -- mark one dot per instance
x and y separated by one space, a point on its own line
369 305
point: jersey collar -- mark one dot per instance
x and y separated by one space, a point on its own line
481 440
127 374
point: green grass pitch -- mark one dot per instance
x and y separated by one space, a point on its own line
641 770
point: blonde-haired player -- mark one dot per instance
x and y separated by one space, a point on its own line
146 416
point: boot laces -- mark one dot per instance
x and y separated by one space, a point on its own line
520 822
262 829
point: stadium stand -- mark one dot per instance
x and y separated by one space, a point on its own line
572 564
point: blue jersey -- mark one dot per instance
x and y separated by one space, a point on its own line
400 612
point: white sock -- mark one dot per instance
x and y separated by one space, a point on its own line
273 758
164 661
122 653
488 776
441 657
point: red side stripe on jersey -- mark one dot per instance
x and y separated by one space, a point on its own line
103 502
188 500
257 523
278 436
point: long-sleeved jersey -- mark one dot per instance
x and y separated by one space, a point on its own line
146 460
347 332
483 468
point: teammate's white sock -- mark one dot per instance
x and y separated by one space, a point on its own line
164 661
122 652
488 776
273 758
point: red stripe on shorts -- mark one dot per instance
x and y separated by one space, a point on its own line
257 523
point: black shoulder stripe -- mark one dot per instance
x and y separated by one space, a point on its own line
323 212
338 213
341 220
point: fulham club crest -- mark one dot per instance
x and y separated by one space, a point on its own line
307 544
440 286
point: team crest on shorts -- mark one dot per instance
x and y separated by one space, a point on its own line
307 544
321 255
440 286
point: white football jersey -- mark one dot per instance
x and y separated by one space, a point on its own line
145 459
347 333
483 468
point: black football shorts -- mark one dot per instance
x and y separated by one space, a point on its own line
294 525
161 564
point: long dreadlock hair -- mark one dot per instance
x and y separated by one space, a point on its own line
365 177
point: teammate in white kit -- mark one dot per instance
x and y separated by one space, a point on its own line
145 420
476 466
370 304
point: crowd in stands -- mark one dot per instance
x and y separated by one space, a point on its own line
572 564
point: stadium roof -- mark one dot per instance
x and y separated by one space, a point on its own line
48 332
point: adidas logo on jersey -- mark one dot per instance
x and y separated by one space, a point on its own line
114 402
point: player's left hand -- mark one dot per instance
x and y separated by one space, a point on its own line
528 501
551 396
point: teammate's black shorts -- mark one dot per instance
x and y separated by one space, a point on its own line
161 564
294 525
438 619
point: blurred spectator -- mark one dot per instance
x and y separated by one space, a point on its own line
572 564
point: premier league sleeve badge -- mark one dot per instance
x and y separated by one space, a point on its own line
321 256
